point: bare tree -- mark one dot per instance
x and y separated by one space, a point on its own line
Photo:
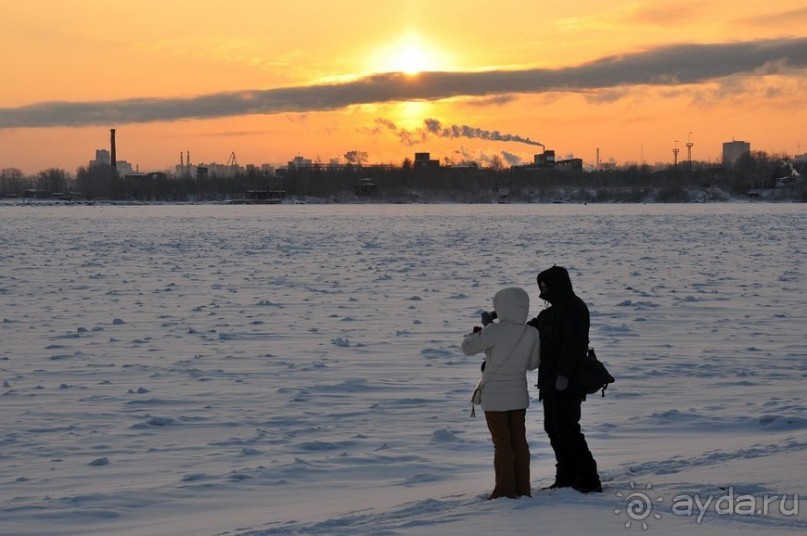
52 180
496 163
11 182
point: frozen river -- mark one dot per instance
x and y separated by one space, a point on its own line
288 369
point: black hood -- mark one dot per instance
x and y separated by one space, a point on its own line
559 285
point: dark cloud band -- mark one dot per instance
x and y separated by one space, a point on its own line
671 65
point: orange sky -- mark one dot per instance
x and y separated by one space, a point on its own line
271 80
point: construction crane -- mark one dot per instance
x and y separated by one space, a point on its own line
232 160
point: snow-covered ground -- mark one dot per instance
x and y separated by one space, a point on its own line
255 370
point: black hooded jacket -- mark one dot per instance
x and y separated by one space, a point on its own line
563 328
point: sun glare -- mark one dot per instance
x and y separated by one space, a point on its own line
410 114
411 60
410 55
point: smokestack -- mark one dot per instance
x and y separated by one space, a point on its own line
112 157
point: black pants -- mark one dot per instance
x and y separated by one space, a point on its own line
575 464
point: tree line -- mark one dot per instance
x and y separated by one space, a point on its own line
755 174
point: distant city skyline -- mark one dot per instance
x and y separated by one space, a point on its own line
629 81
730 153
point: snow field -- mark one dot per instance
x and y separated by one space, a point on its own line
296 369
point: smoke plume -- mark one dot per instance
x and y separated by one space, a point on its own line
356 157
434 127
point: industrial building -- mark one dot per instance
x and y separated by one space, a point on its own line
423 160
734 150
547 160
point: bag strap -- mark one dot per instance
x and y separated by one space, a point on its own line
492 373
501 365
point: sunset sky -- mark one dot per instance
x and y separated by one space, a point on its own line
271 80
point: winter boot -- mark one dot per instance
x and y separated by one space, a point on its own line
588 485
558 484
564 478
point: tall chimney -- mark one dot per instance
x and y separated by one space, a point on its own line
113 160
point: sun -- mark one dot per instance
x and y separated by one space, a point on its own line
411 59
410 55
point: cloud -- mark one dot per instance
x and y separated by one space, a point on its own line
665 66
795 17
605 96
666 14
407 137
495 100
386 123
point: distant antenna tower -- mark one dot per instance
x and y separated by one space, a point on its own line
675 154
689 151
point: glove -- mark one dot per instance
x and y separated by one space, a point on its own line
561 383
488 317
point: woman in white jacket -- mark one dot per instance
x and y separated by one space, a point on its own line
511 349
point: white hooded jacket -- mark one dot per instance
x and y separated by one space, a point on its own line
505 364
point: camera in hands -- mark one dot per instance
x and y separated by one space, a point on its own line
488 317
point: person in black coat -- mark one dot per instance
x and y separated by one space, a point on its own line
563 328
